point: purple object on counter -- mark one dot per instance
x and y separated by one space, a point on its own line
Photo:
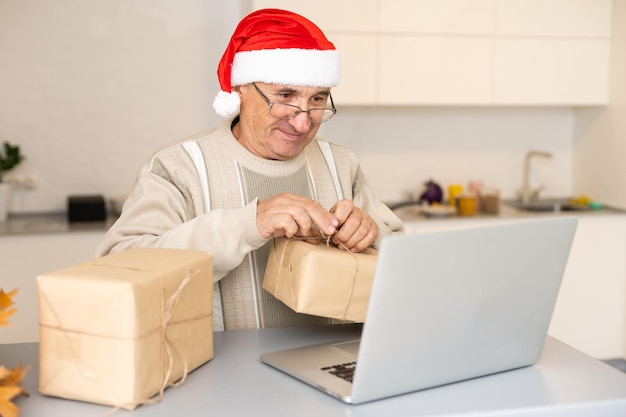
433 193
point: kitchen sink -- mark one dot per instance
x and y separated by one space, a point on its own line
546 205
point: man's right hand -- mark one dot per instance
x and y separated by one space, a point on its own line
290 215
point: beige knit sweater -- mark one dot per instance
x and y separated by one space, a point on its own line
201 193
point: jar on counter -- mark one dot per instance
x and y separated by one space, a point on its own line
467 204
489 200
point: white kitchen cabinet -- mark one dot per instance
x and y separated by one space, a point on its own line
590 310
359 80
499 52
467 52
331 15
557 18
434 70
591 307
551 71
23 257
550 18
428 17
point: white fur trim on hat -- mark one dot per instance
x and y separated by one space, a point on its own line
303 67
226 104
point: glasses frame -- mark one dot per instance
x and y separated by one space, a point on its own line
297 110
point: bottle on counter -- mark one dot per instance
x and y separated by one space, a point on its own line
454 191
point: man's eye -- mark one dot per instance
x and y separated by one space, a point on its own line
318 100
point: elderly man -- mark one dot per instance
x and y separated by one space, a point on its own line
261 174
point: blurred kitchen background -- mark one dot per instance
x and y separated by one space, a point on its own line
89 89
457 91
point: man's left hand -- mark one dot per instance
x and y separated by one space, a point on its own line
357 230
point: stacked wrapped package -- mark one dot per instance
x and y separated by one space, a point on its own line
120 329
321 280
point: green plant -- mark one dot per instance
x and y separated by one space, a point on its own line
10 157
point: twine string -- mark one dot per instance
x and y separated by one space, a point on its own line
167 309
327 239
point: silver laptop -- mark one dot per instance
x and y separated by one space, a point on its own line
445 307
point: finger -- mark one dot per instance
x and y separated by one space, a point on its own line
288 214
357 233
308 216
342 210
362 244
325 221
281 224
368 240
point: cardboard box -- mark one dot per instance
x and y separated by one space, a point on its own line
321 280
119 329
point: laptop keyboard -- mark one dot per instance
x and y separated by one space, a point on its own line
344 370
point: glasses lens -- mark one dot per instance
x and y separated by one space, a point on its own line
284 111
288 112
320 115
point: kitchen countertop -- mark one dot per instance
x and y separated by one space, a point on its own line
56 222
412 213
49 223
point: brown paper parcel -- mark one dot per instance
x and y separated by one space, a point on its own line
119 329
320 280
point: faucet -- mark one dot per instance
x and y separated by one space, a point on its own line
526 192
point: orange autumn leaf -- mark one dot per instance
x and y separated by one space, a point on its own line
7 408
10 388
6 301
4 316
10 380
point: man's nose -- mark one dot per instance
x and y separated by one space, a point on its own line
301 122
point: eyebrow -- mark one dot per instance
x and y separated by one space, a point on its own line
289 90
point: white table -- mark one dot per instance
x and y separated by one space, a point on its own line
565 382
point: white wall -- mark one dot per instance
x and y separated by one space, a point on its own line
402 147
91 88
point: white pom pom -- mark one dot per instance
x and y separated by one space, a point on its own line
226 104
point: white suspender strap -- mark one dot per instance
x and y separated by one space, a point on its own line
332 167
195 153
197 157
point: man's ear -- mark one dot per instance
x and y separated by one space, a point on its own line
239 90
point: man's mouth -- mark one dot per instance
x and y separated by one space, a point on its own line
290 135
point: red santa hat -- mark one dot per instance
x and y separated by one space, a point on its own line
277 47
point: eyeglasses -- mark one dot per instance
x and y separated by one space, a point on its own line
289 111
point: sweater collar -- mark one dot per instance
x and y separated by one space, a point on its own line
247 158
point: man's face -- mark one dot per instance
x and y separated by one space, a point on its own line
269 137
